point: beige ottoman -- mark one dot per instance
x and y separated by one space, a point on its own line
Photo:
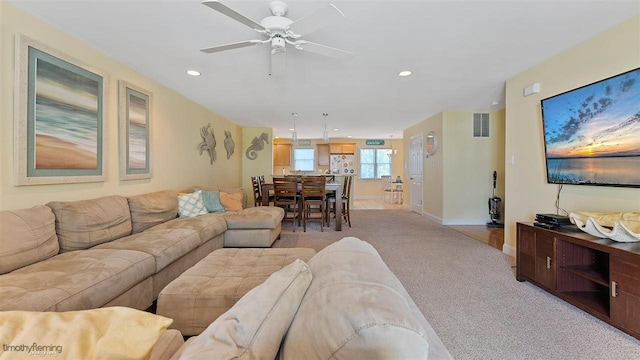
253 227
212 286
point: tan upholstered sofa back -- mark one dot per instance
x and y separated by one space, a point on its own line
151 209
26 237
86 223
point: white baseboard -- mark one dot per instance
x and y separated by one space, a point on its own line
509 250
465 222
433 217
367 198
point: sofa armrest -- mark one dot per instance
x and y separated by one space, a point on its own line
168 344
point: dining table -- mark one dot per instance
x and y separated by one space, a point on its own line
334 187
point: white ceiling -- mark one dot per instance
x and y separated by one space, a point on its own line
460 52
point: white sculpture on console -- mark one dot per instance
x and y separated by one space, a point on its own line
618 226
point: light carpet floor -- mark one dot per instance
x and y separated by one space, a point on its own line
468 292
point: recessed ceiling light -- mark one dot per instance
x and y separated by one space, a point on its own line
495 102
193 72
292 129
336 129
349 136
405 73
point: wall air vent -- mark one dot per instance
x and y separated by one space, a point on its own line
481 125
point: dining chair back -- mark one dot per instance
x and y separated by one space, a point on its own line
313 199
264 191
257 196
343 202
285 190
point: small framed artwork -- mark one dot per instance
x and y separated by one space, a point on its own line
59 116
135 131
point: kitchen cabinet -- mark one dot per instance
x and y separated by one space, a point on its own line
342 148
281 155
323 154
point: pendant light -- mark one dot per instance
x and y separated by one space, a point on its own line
325 134
390 151
294 133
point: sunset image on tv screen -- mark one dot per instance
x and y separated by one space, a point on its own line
592 134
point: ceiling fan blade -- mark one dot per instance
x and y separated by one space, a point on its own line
315 21
221 8
322 49
278 62
237 45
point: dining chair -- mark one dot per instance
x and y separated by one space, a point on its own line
387 188
264 193
344 201
257 196
285 191
313 198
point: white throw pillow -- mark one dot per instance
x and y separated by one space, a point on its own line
255 326
190 205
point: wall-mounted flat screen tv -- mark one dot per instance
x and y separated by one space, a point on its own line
592 133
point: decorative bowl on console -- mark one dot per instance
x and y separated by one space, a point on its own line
617 226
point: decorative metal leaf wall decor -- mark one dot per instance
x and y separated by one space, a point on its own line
208 142
229 144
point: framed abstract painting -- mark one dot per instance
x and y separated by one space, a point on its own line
135 132
59 116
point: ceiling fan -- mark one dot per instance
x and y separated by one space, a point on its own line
279 30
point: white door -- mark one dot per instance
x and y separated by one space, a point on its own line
415 174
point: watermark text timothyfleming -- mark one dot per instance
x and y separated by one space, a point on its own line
34 349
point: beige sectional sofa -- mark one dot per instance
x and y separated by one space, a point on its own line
109 251
344 303
114 251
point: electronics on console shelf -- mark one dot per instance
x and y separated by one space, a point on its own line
552 219
544 225
554 222
567 227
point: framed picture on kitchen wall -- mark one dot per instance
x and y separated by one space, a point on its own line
59 115
135 131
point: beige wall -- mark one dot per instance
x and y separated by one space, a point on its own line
458 178
176 126
432 173
262 165
468 167
527 193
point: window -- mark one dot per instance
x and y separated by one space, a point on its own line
304 159
374 163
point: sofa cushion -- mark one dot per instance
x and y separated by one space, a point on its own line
108 333
75 280
261 217
26 237
355 308
211 201
151 209
86 223
254 327
234 191
232 201
207 226
166 246
190 205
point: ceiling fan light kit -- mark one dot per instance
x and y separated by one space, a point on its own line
279 31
